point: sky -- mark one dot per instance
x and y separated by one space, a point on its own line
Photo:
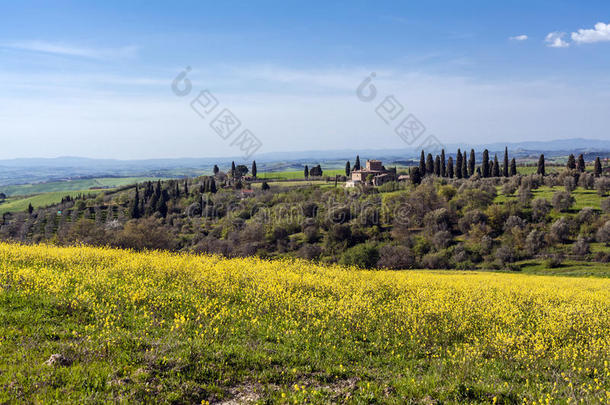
102 79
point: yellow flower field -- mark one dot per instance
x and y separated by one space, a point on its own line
162 327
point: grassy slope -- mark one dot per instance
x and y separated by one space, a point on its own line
162 328
20 204
72 185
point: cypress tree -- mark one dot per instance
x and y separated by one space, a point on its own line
443 165
233 169
471 163
186 187
422 164
306 172
450 167
571 162
464 166
437 166
415 176
216 170
429 164
265 186
505 167
348 170
176 189
541 169
134 210
458 164
30 208
581 163
213 186
597 170
513 167
254 168
496 172
485 164
357 164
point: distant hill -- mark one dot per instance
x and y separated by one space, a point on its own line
32 170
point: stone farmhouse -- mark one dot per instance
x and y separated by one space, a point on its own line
373 171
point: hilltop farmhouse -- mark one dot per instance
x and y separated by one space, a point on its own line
374 173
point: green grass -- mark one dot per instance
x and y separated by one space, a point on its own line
20 204
72 185
583 198
569 268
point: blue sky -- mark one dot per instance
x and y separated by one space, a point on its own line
93 79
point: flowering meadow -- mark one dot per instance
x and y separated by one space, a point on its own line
162 327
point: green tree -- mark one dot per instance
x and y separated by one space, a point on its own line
357 164
471 163
30 208
458 164
485 164
233 169
443 164
513 167
422 164
415 176
541 165
265 186
134 209
254 171
450 167
186 187
348 169
429 164
216 170
437 166
581 163
571 162
306 172
505 167
496 172
597 170
464 166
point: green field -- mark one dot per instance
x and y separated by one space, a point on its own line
583 198
72 185
289 175
20 204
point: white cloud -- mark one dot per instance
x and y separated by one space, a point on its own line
555 40
600 33
518 38
71 50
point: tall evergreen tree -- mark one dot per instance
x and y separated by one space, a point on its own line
415 176
306 172
541 169
464 166
422 164
571 162
443 164
437 166
458 164
471 163
233 169
30 208
429 164
505 167
162 203
513 167
597 170
357 164
450 167
254 168
176 189
496 172
213 186
216 170
186 187
581 163
348 169
485 164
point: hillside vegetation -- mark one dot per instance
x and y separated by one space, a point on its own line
163 327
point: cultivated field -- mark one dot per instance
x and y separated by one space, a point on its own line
162 327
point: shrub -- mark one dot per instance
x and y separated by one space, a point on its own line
603 233
395 257
606 205
581 247
363 255
562 201
560 230
553 260
540 209
435 261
